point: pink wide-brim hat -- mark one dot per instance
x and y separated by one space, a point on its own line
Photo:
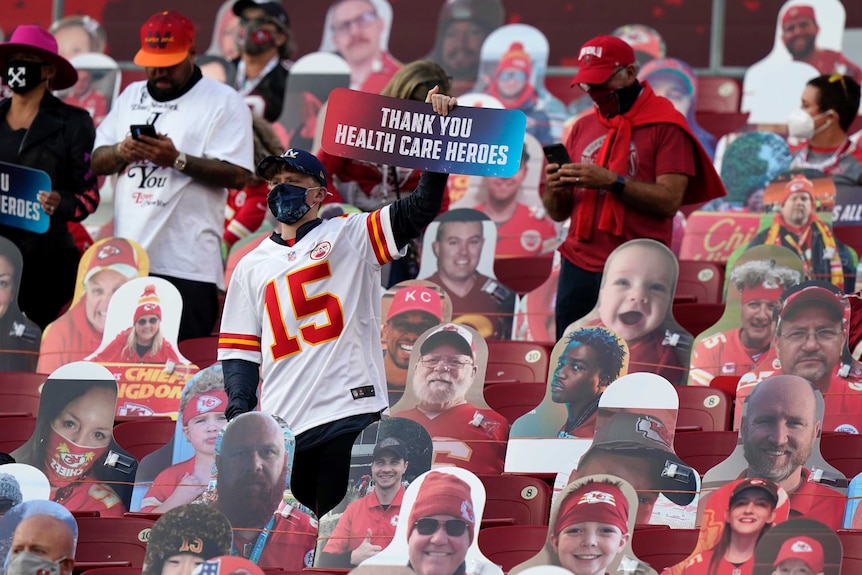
36 40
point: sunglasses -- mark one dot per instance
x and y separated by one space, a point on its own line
148 320
429 526
518 75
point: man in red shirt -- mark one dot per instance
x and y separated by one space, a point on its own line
799 33
368 524
634 162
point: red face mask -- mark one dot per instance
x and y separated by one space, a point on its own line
66 461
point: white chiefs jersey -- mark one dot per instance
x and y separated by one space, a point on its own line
310 316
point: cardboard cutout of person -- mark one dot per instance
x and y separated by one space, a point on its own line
27 509
799 546
185 537
595 514
225 39
635 301
251 486
365 521
19 336
227 565
73 442
744 334
104 267
447 374
441 510
458 255
19 483
98 85
779 441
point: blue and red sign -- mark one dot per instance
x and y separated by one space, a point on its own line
19 203
409 134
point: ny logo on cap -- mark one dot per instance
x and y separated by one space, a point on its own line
159 40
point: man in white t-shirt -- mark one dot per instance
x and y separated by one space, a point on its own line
171 189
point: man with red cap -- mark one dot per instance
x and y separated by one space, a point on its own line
171 189
799 34
737 351
797 227
78 333
799 556
414 310
633 163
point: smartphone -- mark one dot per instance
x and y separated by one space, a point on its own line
556 154
143 129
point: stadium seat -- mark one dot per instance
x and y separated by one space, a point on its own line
201 351
703 409
719 124
108 541
718 94
726 383
20 392
523 274
515 500
703 450
851 543
703 281
844 452
16 431
512 400
143 436
662 548
513 544
697 317
517 361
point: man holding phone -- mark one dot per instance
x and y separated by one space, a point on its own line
633 163
177 141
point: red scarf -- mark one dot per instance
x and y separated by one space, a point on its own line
648 109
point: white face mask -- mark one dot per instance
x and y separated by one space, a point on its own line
800 124
26 563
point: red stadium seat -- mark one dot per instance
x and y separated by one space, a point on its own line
718 94
703 281
703 450
697 317
513 544
517 361
843 451
20 392
515 500
719 124
201 351
703 409
512 400
523 274
15 432
851 543
112 540
726 383
143 436
662 548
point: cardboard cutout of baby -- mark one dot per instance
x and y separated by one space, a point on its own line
736 517
179 472
386 458
514 60
779 441
104 267
139 347
447 375
584 363
634 440
444 503
409 309
19 513
744 334
20 483
184 537
596 508
799 546
270 527
19 336
458 255
73 443
821 310
635 301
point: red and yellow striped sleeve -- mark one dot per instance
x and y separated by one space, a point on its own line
377 235
239 341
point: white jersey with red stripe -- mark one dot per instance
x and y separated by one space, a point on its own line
310 316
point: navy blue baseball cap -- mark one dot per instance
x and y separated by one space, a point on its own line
273 10
296 160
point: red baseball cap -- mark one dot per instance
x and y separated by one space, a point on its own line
166 39
416 298
601 57
798 183
806 549
798 12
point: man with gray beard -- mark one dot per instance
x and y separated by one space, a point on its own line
464 435
779 428
252 466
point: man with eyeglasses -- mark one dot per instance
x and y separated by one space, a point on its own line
357 30
414 310
265 47
464 435
810 342
799 32
633 163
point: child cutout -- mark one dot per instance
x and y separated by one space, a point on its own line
590 529
799 547
635 301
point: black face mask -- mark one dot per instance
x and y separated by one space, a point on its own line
615 102
22 76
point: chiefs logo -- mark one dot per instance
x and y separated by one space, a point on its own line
108 251
321 250
531 240
467 512
73 459
207 403
801 547
653 429
149 306
596 497
393 521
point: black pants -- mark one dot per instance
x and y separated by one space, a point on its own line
320 473
577 294
200 307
